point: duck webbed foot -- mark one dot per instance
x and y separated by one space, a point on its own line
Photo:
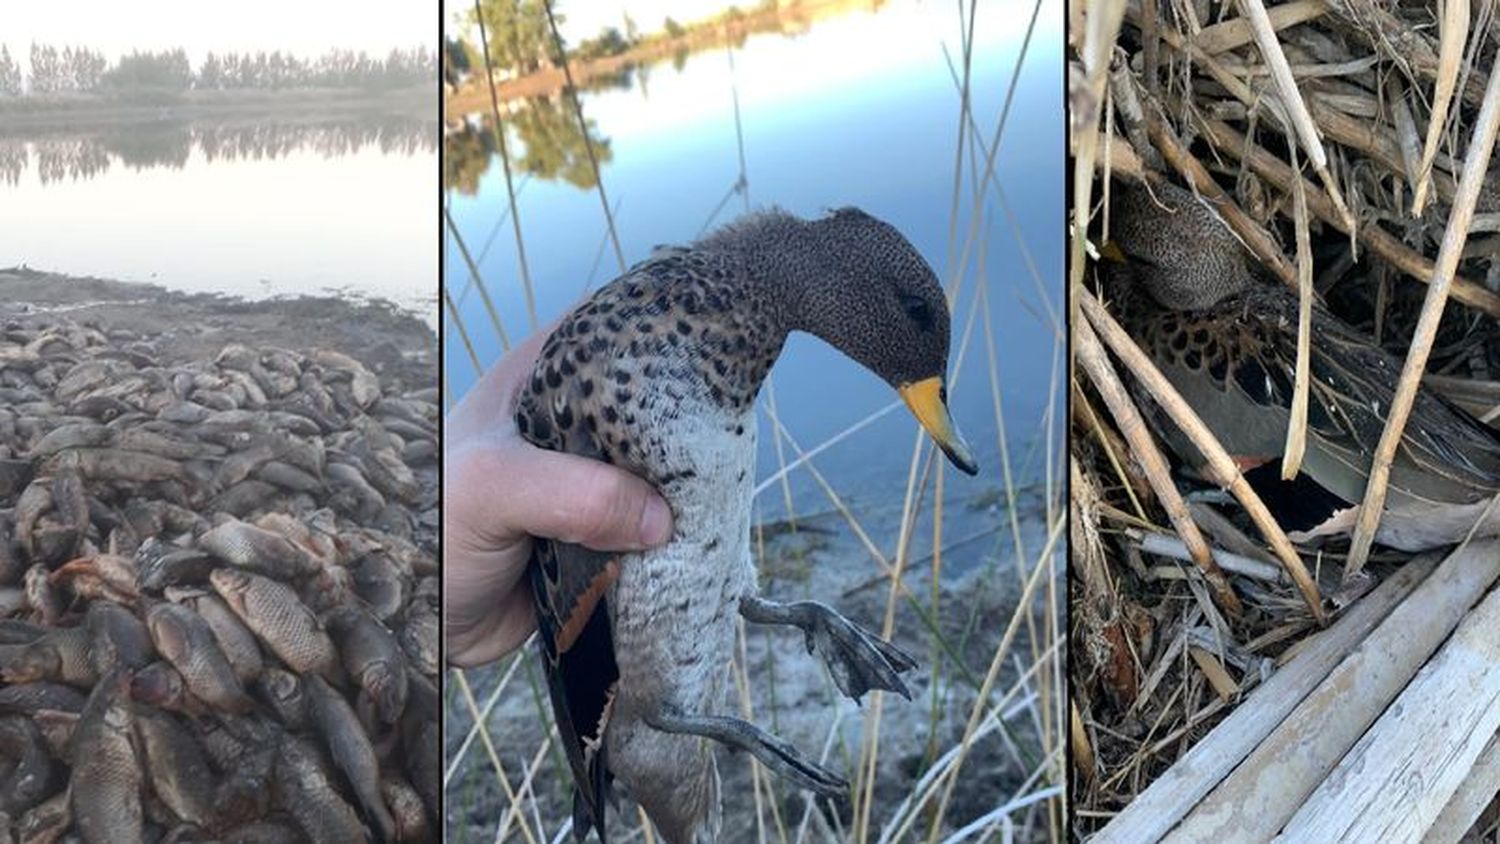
772 752
858 660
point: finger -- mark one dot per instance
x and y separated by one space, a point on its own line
517 487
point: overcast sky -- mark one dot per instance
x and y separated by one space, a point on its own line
303 28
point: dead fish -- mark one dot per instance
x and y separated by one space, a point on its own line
277 617
379 583
57 728
46 822
26 770
71 504
305 791
176 767
45 607
105 789
349 745
283 691
421 740
263 832
109 464
117 638
183 412
246 546
419 631
287 476
12 600
61 655
245 497
406 808
88 434
186 641
234 638
35 500
160 566
118 572
161 685
14 631
372 657
30 698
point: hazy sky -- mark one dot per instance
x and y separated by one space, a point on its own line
303 28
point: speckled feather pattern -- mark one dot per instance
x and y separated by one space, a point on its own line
1226 337
657 372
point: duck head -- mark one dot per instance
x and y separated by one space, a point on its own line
1177 247
858 284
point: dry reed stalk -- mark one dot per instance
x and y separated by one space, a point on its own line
1296 432
1219 466
1291 99
1090 355
1476 165
1236 33
1454 33
1382 243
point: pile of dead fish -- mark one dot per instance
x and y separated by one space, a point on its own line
218 595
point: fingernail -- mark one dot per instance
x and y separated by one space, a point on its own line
656 522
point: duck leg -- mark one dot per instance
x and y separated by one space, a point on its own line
858 660
774 753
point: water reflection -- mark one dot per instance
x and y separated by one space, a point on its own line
551 145
83 155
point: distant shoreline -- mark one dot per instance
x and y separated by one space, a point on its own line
791 18
82 111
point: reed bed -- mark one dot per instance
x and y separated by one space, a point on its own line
1347 144
978 754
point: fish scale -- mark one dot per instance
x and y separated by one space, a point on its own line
277 617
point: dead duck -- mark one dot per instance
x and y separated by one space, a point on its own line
658 372
1225 335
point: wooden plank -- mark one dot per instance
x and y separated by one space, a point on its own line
1157 809
1396 781
1255 801
1476 792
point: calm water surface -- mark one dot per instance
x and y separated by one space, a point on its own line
860 110
253 207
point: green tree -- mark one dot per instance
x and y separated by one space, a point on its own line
673 28
466 157
553 144
520 39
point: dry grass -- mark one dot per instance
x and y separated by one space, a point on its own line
978 754
1391 109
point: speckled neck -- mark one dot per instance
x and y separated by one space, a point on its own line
788 266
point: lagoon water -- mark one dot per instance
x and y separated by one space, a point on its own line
862 109
253 207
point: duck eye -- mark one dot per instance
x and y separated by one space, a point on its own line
918 309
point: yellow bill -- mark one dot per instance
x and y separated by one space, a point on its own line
928 402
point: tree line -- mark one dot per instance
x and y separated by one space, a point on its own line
81 70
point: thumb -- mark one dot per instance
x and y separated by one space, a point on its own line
573 499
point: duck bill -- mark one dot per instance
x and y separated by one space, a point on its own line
928 402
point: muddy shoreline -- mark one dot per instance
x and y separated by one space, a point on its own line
392 342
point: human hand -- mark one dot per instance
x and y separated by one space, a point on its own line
499 491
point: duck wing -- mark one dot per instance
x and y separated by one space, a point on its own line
569 583
1238 361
